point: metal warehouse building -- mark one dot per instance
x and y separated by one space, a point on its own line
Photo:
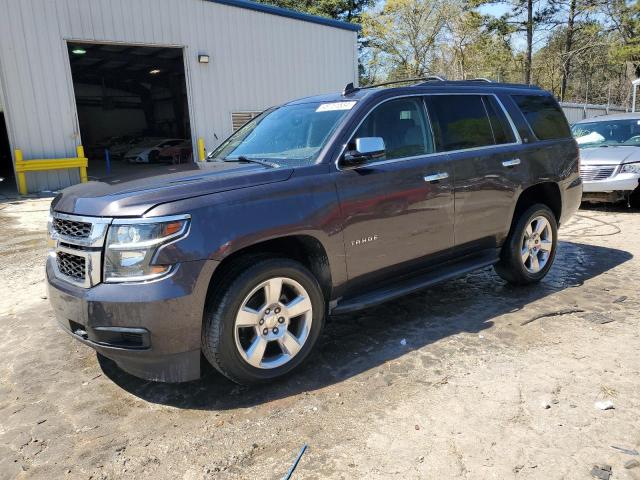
112 75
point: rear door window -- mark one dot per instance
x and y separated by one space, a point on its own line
502 131
544 116
460 121
403 126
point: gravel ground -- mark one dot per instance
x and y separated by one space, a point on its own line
470 379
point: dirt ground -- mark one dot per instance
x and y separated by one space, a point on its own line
460 381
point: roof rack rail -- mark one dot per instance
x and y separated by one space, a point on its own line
349 88
431 78
434 80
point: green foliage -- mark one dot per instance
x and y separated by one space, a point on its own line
403 35
625 19
346 10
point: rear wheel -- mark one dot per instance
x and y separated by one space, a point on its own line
265 320
530 248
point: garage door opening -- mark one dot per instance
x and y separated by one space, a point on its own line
132 107
7 178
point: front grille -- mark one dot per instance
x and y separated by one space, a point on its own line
588 173
71 265
72 228
78 247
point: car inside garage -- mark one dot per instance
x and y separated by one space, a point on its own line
132 107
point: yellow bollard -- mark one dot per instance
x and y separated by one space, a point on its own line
22 179
83 168
46 164
201 151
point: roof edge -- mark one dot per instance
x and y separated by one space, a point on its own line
285 12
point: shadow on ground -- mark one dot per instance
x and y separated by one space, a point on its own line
353 344
617 207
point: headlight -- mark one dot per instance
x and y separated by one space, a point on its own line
51 242
131 247
631 168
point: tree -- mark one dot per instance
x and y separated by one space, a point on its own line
573 15
523 16
624 18
346 10
470 50
404 34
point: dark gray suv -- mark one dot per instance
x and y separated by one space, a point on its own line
324 205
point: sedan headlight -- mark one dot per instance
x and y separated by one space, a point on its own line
132 246
631 168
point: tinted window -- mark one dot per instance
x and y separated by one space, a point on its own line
502 131
460 121
544 116
402 125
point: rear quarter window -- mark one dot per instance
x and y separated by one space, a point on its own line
544 116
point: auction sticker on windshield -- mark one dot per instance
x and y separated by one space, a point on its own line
329 107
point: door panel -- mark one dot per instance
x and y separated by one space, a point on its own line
483 150
485 193
392 215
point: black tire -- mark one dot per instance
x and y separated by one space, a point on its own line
634 199
511 267
154 155
218 332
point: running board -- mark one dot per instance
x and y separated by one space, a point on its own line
428 278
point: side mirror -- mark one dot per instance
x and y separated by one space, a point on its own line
367 148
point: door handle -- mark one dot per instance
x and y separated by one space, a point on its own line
511 163
436 176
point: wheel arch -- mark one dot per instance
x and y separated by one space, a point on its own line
303 248
547 193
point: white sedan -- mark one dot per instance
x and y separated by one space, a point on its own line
148 152
609 157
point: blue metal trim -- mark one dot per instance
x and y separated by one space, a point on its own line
284 12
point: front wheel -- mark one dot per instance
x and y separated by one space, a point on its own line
264 321
530 248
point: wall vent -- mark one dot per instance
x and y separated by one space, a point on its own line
238 119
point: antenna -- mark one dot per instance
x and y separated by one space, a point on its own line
349 89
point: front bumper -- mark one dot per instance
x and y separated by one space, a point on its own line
624 182
166 314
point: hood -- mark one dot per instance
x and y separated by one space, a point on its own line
134 195
609 155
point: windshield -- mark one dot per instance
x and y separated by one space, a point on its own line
289 136
607 133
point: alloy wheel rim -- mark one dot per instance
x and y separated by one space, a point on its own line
536 245
273 323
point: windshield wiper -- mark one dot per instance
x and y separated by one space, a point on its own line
242 158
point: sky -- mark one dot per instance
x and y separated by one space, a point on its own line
495 10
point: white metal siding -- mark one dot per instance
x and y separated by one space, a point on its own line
257 60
